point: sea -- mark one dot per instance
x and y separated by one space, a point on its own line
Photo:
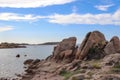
10 65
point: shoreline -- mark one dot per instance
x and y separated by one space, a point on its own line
68 63
95 59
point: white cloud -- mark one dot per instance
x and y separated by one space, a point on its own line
101 19
6 28
73 18
103 7
18 17
31 3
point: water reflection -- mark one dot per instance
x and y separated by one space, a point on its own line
10 65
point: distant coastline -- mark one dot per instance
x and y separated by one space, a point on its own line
49 43
11 45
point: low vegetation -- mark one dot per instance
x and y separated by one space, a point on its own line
68 74
116 68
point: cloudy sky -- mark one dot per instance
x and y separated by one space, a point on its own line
37 21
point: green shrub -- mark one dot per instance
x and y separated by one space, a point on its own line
95 52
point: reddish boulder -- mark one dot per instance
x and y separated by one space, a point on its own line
92 39
113 46
64 49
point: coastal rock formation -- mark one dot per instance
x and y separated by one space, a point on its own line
113 46
102 57
29 61
92 40
65 49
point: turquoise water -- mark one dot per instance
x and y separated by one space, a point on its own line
10 65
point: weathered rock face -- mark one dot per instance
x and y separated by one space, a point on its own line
110 77
112 59
94 47
92 39
65 49
113 46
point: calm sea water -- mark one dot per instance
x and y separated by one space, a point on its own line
10 65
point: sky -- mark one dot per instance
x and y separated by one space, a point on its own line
39 21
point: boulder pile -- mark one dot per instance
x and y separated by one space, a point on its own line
92 60
94 46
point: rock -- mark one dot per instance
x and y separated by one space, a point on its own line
30 71
70 60
91 40
35 61
110 77
29 61
47 64
25 55
86 66
113 46
65 49
73 66
18 55
65 54
112 59
78 77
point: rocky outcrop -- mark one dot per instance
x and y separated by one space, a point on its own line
93 47
92 40
112 59
28 61
113 46
65 49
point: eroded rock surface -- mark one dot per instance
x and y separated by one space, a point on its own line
91 40
93 60
113 46
65 49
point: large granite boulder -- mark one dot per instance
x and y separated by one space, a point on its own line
92 40
113 46
65 49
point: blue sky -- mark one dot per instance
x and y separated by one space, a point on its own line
38 21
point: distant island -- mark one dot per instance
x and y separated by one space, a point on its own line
11 45
49 43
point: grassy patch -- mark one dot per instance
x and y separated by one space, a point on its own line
116 68
96 65
68 74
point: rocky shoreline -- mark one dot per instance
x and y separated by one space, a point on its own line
95 59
